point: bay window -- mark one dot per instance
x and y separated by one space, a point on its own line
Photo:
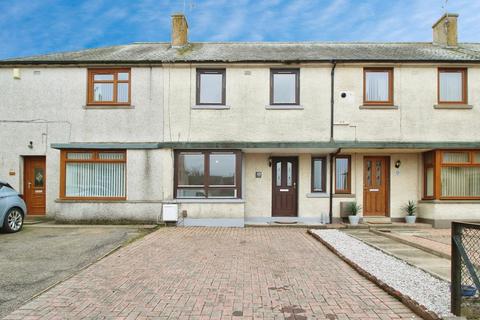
93 174
207 174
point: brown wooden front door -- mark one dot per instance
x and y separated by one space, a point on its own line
376 172
34 190
284 186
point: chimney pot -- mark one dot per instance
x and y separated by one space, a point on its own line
445 30
179 30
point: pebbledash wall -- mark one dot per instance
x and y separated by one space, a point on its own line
47 106
52 110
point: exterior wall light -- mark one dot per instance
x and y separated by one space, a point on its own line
398 163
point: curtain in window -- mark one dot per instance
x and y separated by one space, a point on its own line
455 157
451 86
377 86
460 181
95 180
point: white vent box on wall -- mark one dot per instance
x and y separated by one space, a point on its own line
170 212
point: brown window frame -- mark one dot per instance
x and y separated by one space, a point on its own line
324 173
95 159
113 71
206 186
348 190
390 100
425 168
201 71
296 72
439 164
464 72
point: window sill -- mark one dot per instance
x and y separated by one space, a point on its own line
207 201
378 107
210 107
344 195
452 106
284 107
318 195
107 107
449 201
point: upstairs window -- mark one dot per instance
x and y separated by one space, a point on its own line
378 86
109 87
210 87
342 174
452 86
208 174
285 86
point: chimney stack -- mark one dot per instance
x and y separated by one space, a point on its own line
179 30
445 30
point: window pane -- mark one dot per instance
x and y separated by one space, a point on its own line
284 88
289 174
103 77
377 86
429 182
39 177
222 193
476 157
279 174
451 86
341 174
111 155
318 175
190 193
79 155
95 180
122 76
191 169
222 169
211 88
122 92
461 181
103 92
455 157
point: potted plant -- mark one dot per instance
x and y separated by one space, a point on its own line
410 208
354 209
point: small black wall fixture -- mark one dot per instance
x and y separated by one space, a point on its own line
398 163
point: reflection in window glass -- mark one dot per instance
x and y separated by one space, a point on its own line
341 174
284 88
211 88
103 77
318 175
191 169
222 193
222 169
279 174
190 193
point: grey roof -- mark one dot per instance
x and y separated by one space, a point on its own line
161 52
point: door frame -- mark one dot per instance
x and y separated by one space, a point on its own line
272 159
387 183
25 160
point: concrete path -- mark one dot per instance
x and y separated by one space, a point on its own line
218 273
420 258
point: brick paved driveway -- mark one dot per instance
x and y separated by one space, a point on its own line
217 273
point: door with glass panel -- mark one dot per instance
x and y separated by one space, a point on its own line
34 185
284 186
375 186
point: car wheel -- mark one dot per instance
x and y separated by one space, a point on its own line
13 220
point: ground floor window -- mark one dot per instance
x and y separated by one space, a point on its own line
342 174
452 174
208 174
93 174
319 165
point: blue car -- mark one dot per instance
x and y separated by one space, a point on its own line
12 208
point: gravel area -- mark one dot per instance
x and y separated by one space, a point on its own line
431 292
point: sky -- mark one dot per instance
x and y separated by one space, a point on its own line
31 27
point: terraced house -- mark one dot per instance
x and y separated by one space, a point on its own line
232 133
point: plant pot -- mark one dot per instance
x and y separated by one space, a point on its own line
468 291
410 219
354 219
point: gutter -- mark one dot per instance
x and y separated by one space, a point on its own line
330 198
